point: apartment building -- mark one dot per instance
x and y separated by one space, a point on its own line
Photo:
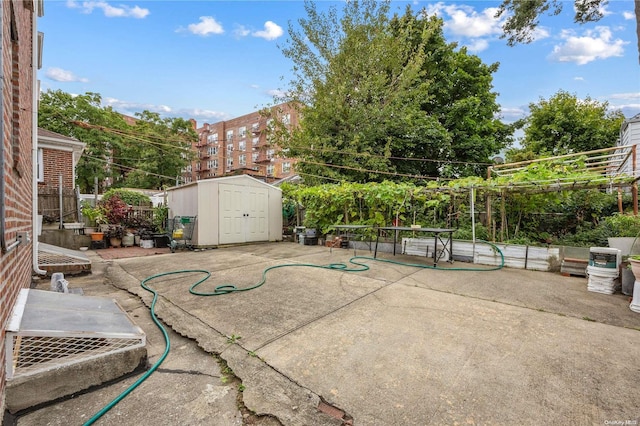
243 145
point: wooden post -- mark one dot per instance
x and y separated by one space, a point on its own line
503 216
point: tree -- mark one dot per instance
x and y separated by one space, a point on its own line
61 112
524 16
148 154
379 95
161 148
565 124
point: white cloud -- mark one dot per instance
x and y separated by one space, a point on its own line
578 78
465 21
122 11
628 15
58 74
241 31
207 25
595 44
512 114
254 86
276 93
477 45
631 95
131 108
271 31
539 33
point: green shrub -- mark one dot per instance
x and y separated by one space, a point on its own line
622 225
132 198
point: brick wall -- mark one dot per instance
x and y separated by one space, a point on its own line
56 162
16 98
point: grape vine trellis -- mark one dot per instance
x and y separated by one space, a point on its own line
538 188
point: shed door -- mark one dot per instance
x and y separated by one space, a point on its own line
243 214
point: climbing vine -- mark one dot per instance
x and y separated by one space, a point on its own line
542 203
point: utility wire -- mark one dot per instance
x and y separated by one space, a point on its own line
367 154
369 170
127 167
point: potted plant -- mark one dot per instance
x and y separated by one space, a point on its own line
146 237
115 233
93 216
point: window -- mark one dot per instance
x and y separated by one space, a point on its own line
197 167
229 148
242 132
286 119
213 150
270 169
229 163
255 127
212 138
271 153
212 164
242 160
229 135
286 167
255 140
242 146
254 156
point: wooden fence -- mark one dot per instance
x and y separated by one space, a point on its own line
49 204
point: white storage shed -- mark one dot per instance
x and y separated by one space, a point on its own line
229 210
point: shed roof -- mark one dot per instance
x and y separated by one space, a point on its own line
225 179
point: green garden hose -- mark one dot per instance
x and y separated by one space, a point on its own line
230 288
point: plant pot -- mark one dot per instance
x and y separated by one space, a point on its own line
147 244
635 302
161 240
136 240
90 230
127 240
627 280
115 242
97 236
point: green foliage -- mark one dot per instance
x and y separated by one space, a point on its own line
95 215
622 225
80 117
523 16
149 154
565 124
535 215
160 217
373 89
132 198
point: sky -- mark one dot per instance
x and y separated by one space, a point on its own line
216 60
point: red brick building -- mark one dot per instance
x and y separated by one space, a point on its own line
57 155
242 146
19 61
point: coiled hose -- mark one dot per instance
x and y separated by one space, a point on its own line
231 288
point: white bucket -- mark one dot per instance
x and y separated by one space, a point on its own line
602 280
146 244
605 257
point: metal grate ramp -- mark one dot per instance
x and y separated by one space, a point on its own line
59 259
48 330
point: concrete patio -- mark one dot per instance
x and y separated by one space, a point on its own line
391 345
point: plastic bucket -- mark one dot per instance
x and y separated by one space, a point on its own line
604 257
